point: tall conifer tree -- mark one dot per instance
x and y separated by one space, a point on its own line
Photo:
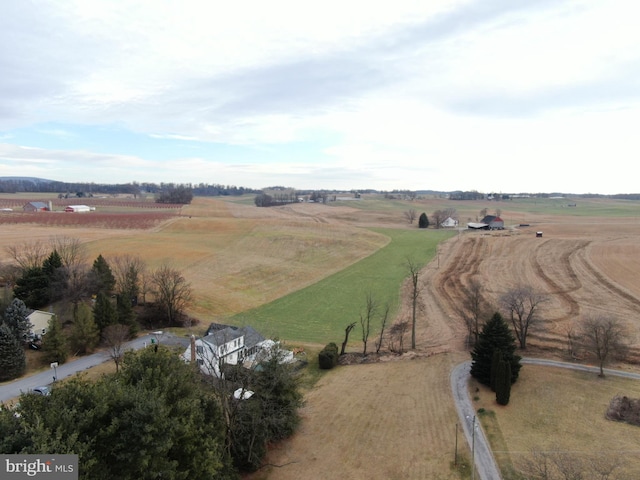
495 335
12 358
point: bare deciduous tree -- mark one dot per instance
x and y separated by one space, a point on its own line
383 323
172 292
347 331
370 309
410 215
73 254
128 271
522 304
438 217
28 255
474 309
396 336
555 463
414 277
115 337
604 337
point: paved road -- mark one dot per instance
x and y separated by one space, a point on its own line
11 390
485 464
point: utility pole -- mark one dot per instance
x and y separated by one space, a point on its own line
473 449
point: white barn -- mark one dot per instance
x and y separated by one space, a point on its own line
77 208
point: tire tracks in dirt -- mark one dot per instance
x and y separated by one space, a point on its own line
556 288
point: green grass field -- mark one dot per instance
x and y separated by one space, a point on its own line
320 312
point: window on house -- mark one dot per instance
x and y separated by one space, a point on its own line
199 349
200 361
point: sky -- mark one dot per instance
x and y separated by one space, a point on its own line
496 96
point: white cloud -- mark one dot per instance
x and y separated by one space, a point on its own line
490 95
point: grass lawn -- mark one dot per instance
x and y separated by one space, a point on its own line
320 312
559 410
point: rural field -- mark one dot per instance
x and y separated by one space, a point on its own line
301 273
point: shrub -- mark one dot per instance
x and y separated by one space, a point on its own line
328 356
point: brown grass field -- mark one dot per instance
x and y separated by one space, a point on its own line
395 419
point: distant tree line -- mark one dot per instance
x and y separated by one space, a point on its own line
275 196
180 194
472 195
35 185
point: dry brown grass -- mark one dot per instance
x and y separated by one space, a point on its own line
389 420
553 408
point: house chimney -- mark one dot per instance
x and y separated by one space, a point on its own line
193 349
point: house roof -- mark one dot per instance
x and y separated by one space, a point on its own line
38 204
220 337
218 334
491 218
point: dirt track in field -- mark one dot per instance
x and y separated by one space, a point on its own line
582 268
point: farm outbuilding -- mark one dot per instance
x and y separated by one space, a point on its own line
77 208
39 321
494 222
36 207
490 222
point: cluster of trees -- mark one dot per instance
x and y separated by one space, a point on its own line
275 196
556 463
180 194
437 218
494 342
95 303
156 418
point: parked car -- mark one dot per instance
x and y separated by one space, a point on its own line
43 390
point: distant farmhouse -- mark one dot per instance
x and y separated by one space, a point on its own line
449 223
37 207
225 344
489 222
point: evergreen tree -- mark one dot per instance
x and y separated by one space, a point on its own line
56 278
126 315
12 358
503 383
104 313
495 363
85 334
495 335
101 277
33 288
423 221
54 343
15 317
154 419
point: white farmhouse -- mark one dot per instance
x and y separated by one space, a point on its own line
231 345
449 223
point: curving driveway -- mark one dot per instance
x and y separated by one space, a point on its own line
485 464
13 389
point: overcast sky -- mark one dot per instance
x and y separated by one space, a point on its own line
488 95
